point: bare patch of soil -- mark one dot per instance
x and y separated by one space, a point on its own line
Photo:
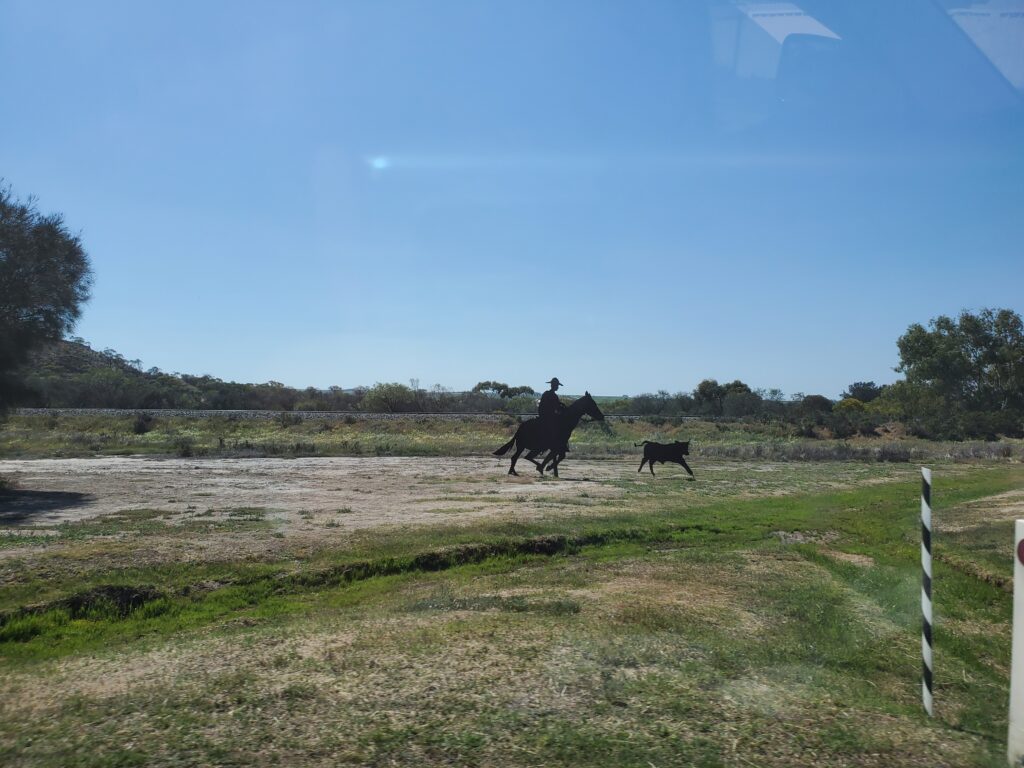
304 493
851 557
1001 506
805 537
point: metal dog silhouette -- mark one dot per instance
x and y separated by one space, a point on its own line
533 437
662 452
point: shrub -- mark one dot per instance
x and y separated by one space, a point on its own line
184 446
740 403
286 419
143 423
849 405
895 452
815 407
389 398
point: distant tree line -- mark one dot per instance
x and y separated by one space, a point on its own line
69 374
812 415
964 379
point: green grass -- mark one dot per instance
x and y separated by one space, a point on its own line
661 627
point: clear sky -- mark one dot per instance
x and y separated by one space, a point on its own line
632 196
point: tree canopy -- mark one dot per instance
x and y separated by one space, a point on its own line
44 281
965 375
865 391
501 389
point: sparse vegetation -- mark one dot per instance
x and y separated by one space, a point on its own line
88 435
781 631
964 380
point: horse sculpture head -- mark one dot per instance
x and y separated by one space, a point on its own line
590 408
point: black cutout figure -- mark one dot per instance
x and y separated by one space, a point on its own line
550 405
535 436
662 452
548 410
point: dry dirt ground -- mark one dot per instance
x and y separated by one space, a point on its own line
147 511
361 492
369 491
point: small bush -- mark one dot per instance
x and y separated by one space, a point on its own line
21 629
184 446
289 419
981 450
895 452
143 423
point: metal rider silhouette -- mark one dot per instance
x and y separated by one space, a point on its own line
549 410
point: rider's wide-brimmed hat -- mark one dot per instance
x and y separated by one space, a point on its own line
555 381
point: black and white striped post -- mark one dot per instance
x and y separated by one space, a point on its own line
926 589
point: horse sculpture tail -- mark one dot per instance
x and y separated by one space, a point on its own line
637 445
504 449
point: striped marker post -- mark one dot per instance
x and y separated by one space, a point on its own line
926 589
1015 742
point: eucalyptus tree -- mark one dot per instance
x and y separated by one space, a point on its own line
45 279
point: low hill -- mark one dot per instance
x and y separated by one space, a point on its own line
70 374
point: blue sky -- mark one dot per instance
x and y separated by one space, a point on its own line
630 196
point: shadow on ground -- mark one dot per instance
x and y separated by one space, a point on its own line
18 507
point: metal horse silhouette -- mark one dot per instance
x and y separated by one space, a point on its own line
532 436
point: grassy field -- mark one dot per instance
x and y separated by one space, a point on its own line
739 620
292 435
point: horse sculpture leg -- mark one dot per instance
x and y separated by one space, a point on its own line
555 458
515 457
530 457
548 461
